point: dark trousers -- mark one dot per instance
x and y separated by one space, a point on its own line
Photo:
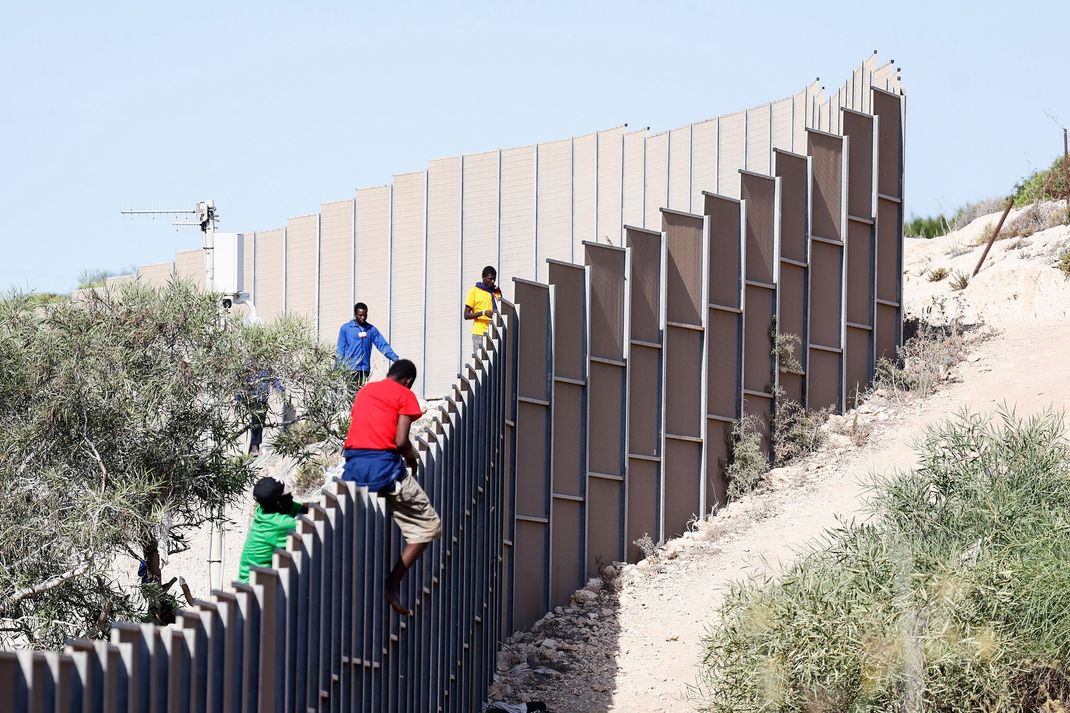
358 379
256 428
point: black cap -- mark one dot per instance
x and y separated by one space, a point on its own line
268 490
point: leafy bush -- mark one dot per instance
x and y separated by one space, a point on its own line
938 273
954 596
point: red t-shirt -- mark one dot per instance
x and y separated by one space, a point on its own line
374 419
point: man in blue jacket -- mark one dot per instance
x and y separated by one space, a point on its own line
355 340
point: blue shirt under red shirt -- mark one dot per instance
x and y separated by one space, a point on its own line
374 419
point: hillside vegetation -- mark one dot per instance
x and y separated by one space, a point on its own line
954 596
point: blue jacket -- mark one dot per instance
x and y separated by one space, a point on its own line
354 351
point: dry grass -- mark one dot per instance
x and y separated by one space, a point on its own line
958 249
938 273
926 359
1063 265
796 430
959 281
786 350
309 477
746 460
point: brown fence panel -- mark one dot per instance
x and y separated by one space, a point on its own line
889 298
568 513
724 336
684 261
759 194
607 384
824 383
644 486
861 253
793 284
534 443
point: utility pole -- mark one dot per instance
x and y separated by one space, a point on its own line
205 218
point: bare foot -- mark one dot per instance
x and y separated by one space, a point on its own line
393 598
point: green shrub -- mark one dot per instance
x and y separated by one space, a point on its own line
930 227
954 596
938 273
1042 185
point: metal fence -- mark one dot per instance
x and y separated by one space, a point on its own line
410 249
601 410
312 632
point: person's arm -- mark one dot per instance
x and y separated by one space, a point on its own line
384 346
401 440
298 508
340 349
469 312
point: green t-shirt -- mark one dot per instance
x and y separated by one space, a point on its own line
269 531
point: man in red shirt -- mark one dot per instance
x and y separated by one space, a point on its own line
378 454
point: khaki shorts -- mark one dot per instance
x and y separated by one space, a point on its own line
413 513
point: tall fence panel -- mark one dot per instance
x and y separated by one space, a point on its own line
534 429
724 334
824 383
607 395
794 273
684 406
568 516
645 379
861 273
888 108
335 297
759 194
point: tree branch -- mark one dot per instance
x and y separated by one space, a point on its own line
48 584
85 437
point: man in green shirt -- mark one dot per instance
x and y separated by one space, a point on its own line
273 520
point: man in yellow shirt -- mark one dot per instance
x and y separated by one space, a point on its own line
481 304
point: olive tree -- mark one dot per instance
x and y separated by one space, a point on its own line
123 416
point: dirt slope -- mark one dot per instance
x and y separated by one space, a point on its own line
634 644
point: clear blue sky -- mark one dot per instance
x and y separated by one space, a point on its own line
272 108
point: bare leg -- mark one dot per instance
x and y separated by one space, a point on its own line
392 592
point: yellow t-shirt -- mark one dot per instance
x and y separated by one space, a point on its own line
480 300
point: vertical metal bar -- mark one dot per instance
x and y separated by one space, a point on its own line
285 262
316 306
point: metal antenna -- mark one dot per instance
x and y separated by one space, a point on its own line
206 219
